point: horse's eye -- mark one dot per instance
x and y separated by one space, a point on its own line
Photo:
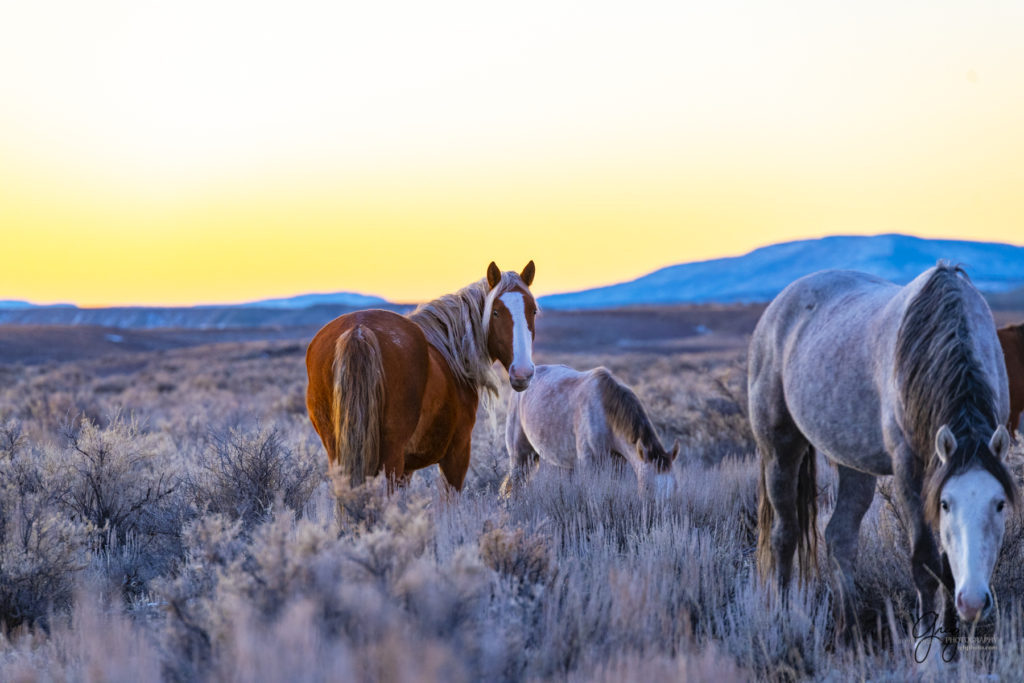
945 506
535 311
1000 505
495 314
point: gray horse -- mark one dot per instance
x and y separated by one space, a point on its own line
884 380
568 417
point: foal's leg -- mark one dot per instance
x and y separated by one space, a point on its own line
595 441
856 490
593 450
522 457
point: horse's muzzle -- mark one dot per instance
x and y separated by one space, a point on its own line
971 610
520 378
520 384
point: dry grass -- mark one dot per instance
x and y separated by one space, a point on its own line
168 516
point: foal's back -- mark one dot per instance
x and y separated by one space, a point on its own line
561 406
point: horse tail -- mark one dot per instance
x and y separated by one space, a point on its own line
627 416
358 403
765 519
806 515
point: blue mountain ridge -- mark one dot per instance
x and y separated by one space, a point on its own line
764 272
305 300
996 269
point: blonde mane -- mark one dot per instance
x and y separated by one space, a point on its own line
457 325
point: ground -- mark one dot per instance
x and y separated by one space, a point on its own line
165 513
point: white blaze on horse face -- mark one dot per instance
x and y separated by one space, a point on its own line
971 526
521 369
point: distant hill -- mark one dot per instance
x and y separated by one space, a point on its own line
350 299
199 318
297 311
8 304
763 273
16 305
997 269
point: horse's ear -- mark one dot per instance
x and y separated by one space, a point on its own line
640 450
528 272
945 444
493 275
999 444
675 451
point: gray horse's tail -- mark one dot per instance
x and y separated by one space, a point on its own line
358 403
806 515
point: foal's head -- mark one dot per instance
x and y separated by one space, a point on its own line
511 311
969 507
654 468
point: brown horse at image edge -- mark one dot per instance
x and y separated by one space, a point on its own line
1011 338
399 393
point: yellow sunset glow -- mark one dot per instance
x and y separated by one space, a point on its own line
201 152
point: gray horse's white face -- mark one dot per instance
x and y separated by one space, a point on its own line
972 521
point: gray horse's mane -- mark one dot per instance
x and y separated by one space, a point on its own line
457 324
942 383
627 417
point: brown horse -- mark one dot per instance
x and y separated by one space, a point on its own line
1011 338
400 393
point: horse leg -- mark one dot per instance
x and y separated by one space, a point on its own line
591 452
455 463
392 463
392 458
853 498
783 455
926 568
950 619
522 456
782 448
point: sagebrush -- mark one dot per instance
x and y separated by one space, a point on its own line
169 516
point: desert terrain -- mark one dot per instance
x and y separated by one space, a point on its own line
166 514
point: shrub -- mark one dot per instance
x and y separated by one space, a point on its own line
515 554
115 480
112 480
241 571
242 474
95 643
41 551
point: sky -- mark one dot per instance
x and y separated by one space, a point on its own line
187 152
